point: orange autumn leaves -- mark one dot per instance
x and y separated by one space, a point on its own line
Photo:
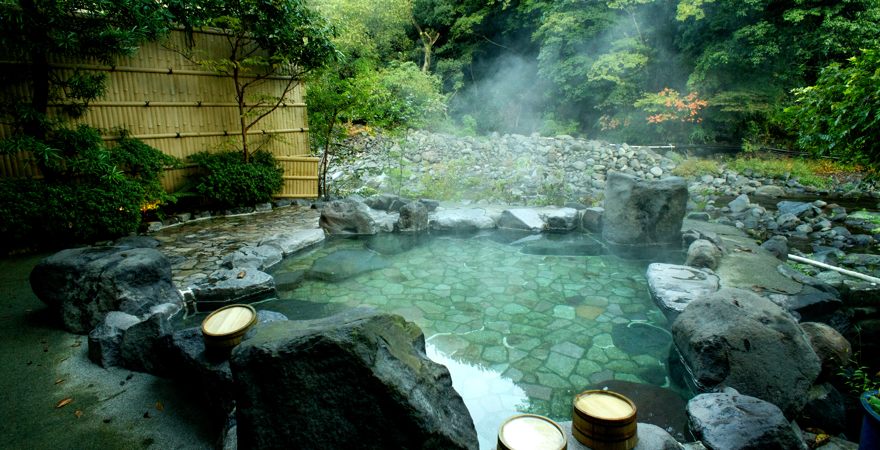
669 105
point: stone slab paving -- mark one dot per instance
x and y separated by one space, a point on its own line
196 248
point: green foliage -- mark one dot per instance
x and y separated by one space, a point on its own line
265 38
228 181
37 31
840 115
696 167
859 380
807 172
90 191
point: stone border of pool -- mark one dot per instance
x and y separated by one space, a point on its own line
740 264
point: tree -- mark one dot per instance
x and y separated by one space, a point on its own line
265 39
839 116
34 32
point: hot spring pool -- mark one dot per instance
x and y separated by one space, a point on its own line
521 327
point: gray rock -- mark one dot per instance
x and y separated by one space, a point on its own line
296 241
703 254
205 372
144 344
559 219
385 202
344 264
346 217
674 287
643 212
465 219
825 409
105 339
778 246
732 421
800 210
260 257
592 219
770 191
82 285
833 350
521 219
385 221
651 437
739 204
787 221
735 338
136 242
413 217
365 373
430 204
810 303
226 286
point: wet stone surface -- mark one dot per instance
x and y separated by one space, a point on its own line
196 248
519 332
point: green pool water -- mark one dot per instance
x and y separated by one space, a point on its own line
519 332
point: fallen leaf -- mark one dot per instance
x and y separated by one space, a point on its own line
64 402
76 344
241 274
78 413
160 406
59 381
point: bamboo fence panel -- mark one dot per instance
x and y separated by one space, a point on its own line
182 108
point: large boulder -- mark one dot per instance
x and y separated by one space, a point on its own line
355 380
347 217
521 219
464 219
238 285
640 212
260 257
208 371
732 421
737 339
105 340
84 284
413 217
560 219
674 287
833 350
296 241
703 254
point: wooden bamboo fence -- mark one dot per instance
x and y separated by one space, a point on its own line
181 108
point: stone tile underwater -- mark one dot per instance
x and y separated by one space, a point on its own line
519 332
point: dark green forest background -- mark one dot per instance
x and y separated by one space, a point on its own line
749 73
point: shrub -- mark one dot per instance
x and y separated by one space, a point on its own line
89 191
839 115
228 181
696 167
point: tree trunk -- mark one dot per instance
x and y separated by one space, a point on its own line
242 120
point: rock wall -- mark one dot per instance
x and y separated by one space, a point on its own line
506 169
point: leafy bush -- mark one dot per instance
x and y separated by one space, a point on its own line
228 181
89 191
840 115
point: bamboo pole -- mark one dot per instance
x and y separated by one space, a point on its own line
185 134
190 104
868 278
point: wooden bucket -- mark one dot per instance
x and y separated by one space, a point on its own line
531 432
604 420
225 327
